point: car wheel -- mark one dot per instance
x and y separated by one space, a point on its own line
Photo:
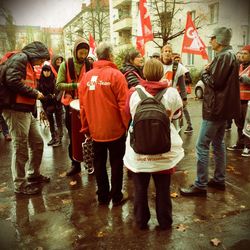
199 92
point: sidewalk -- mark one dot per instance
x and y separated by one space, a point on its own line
67 216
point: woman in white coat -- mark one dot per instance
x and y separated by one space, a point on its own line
160 166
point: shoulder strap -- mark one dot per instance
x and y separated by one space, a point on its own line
88 65
160 94
174 69
141 94
70 64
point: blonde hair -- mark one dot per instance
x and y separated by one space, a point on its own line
153 70
167 45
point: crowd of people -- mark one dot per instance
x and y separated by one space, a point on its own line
109 99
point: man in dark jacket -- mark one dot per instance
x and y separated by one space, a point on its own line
21 84
221 102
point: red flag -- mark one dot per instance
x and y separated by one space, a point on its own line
192 43
144 33
92 45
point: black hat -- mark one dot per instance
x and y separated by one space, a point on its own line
46 67
82 46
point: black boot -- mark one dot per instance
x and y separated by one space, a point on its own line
75 169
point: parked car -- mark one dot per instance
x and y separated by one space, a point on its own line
199 89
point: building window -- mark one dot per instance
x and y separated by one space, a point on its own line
214 12
190 59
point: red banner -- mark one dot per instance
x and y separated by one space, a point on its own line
192 43
92 45
144 33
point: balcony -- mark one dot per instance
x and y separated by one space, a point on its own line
124 24
121 3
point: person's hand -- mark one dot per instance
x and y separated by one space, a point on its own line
207 66
40 95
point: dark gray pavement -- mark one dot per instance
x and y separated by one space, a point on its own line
67 216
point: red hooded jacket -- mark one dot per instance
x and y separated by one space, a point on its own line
102 94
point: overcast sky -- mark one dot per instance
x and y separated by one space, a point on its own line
45 13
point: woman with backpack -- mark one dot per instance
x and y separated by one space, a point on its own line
159 160
132 67
51 106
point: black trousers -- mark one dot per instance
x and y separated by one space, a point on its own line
163 201
116 151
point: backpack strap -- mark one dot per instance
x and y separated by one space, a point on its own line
70 64
174 69
141 94
160 94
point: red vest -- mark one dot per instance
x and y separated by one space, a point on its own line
53 70
29 81
244 88
77 78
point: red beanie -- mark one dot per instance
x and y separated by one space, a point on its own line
247 47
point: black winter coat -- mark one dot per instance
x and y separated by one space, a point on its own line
222 94
47 86
132 79
16 71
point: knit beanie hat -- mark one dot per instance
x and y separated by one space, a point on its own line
223 35
247 47
82 46
46 67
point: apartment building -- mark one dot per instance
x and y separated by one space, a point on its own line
230 13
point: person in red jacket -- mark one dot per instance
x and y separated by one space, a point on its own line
243 142
102 94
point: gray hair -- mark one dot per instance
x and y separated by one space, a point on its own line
104 50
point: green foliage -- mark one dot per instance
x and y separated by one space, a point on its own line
119 57
195 74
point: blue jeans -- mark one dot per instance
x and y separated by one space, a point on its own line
211 132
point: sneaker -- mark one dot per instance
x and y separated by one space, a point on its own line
123 200
235 147
188 130
193 191
74 170
7 137
51 142
246 152
214 184
28 189
57 144
38 179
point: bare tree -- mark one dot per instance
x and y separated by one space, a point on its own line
10 27
165 13
97 19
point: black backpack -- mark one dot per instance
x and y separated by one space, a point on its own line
150 133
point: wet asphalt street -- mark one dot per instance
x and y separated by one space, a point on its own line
67 216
